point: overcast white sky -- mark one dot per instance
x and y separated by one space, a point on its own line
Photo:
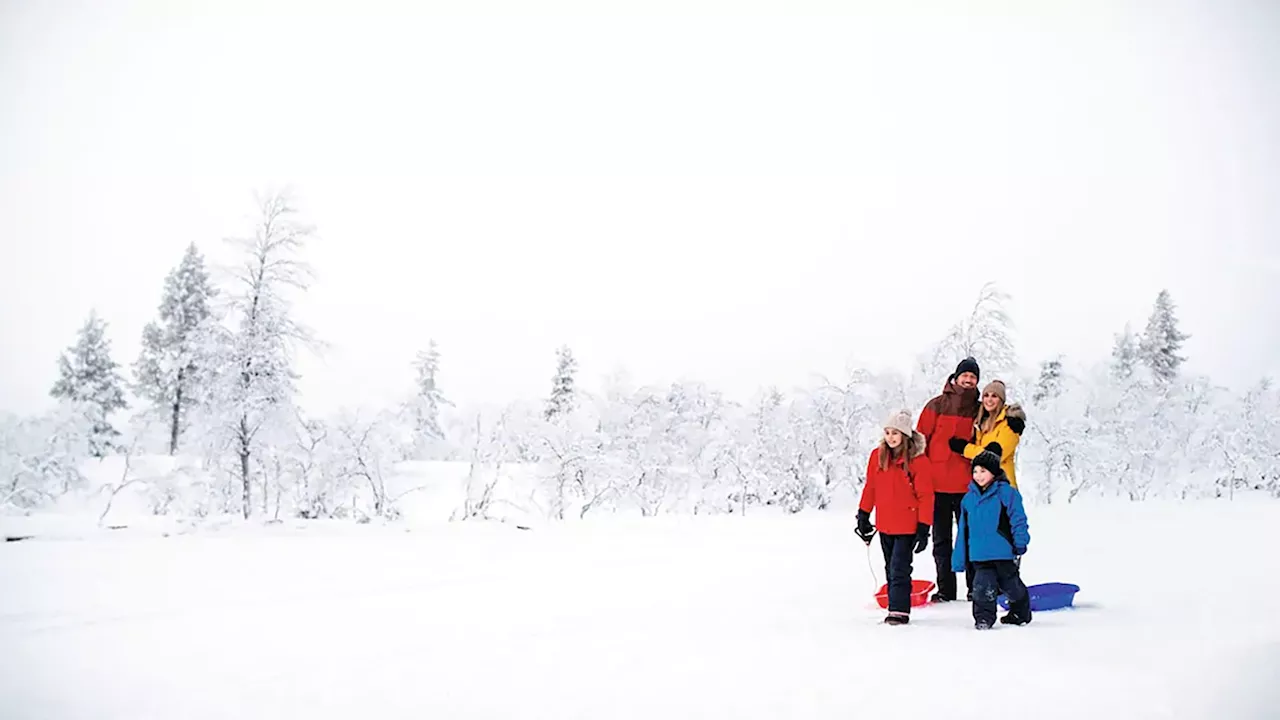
730 193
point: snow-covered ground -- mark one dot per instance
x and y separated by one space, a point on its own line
698 617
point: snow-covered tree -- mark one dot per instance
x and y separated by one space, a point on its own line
699 427
1248 440
1124 355
1049 384
770 453
90 378
257 383
317 484
563 388
1162 340
569 452
424 408
366 453
40 456
173 370
986 334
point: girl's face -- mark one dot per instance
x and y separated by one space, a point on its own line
892 438
991 401
982 476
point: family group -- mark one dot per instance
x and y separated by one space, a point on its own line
956 465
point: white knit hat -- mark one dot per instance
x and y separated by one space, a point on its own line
900 420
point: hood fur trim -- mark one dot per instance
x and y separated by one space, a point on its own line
917 446
1015 411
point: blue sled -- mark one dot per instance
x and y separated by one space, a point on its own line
1047 596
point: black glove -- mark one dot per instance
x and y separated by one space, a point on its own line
1017 425
865 529
957 445
922 537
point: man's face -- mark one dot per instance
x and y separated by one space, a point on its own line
967 380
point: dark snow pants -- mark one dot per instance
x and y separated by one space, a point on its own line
992 577
946 511
897 569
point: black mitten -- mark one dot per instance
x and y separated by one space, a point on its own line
957 445
1017 425
922 537
865 530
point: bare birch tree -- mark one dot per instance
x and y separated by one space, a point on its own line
258 376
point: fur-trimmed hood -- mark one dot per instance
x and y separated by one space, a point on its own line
1015 411
917 444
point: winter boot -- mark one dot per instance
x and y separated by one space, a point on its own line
940 598
897 618
1014 619
981 625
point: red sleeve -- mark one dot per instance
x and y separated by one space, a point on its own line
928 422
924 488
868 500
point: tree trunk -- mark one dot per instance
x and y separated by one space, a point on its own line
244 465
244 476
175 417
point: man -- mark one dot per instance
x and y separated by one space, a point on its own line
947 416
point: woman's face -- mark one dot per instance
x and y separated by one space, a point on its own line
991 401
892 438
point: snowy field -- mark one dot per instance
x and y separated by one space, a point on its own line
757 617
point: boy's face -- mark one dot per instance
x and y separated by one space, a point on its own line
982 477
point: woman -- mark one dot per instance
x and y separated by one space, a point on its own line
999 423
900 490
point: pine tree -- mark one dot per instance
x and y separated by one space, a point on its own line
428 401
562 385
1162 340
173 367
1049 385
1124 355
87 376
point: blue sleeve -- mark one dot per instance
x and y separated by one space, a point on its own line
1018 519
959 554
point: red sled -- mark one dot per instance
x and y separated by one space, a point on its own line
920 590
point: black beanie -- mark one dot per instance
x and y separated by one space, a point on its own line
989 458
967 365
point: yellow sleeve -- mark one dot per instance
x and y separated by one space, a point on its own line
1007 438
971 451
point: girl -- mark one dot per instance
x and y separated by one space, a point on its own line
998 423
993 536
900 490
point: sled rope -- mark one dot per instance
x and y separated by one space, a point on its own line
872 568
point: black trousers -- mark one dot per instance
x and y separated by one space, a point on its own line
897 569
991 578
946 511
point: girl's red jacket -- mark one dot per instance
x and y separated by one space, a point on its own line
900 498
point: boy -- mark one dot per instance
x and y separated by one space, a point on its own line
992 538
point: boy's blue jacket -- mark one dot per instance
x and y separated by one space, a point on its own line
992 524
